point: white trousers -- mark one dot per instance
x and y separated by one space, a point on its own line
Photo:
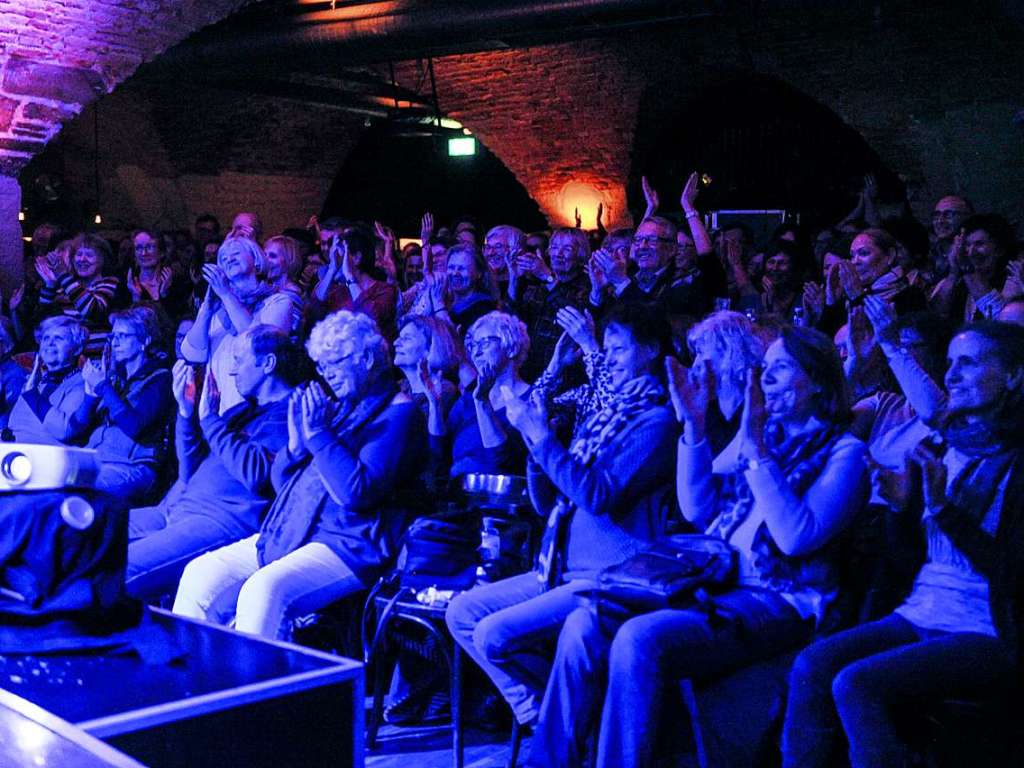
228 582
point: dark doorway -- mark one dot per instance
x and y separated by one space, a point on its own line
764 144
395 174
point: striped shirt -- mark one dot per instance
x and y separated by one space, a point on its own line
91 304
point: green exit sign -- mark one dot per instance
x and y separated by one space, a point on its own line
463 146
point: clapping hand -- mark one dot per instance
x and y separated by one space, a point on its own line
566 353
437 289
860 339
957 255
849 280
598 278
134 286
927 455
209 402
33 378
485 379
580 326
295 441
426 229
183 386
45 272
613 265
433 384
163 282
651 196
218 281
691 392
752 422
347 268
1014 285
813 300
688 199
883 318
94 372
315 411
530 418
18 296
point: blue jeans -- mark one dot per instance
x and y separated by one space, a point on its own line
507 628
160 548
867 672
642 668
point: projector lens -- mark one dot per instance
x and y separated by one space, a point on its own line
16 468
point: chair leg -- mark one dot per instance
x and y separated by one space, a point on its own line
376 658
517 742
456 705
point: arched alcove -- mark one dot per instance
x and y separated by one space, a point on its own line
396 174
763 143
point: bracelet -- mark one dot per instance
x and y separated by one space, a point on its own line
693 215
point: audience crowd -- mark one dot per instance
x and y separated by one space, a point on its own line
844 408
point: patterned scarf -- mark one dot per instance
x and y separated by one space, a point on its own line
801 459
889 285
251 301
636 397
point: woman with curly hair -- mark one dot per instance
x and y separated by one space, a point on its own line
351 463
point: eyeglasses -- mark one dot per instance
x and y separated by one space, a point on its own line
146 247
947 215
123 336
651 240
473 344
323 366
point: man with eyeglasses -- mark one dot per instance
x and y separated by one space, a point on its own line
948 216
539 288
653 254
502 244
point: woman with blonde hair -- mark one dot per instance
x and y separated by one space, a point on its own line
235 299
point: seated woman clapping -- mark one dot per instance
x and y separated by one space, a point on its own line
476 435
605 497
958 633
54 389
352 459
128 406
780 493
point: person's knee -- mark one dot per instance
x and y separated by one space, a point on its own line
491 637
194 590
261 594
852 682
635 648
580 630
813 666
460 616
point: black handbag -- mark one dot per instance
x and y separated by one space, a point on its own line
671 572
440 551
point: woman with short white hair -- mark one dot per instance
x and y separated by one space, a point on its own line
476 436
236 298
352 460
54 390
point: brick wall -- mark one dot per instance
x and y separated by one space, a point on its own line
932 89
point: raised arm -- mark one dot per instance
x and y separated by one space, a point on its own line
699 233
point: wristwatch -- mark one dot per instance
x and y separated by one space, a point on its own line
755 463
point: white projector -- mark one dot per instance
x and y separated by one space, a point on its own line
28 467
